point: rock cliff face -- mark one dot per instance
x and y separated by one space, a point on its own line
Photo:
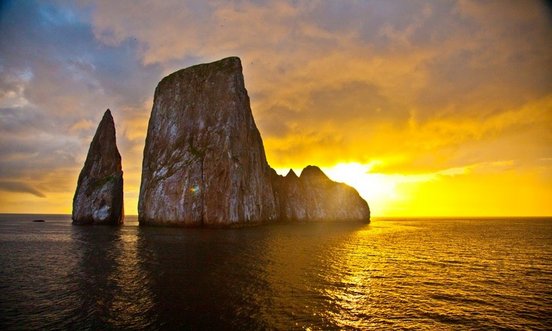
204 160
290 194
314 197
99 195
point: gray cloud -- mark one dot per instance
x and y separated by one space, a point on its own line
54 74
20 187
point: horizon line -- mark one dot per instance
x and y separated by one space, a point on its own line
371 217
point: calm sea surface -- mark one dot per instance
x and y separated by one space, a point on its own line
392 274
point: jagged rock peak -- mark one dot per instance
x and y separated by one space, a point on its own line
313 173
204 70
204 161
291 174
315 197
99 195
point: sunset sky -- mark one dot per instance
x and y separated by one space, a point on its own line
428 108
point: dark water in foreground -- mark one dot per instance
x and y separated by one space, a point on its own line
391 274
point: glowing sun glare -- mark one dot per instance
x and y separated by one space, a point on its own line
379 190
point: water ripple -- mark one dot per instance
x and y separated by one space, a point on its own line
392 274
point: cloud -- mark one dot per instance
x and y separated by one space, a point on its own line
20 187
56 80
420 86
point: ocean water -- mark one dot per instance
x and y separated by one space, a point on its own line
434 274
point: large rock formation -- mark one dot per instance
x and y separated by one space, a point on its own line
204 161
99 195
314 197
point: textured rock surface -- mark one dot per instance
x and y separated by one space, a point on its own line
314 197
204 160
290 195
99 195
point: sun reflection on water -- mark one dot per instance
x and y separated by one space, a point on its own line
356 279
390 274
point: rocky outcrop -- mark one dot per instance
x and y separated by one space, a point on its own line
314 197
290 195
204 161
99 195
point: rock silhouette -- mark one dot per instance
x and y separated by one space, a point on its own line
205 165
99 195
204 161
314 197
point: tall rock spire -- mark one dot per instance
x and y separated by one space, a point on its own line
204 160
99 195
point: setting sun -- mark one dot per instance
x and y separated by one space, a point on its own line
458 191
378 189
